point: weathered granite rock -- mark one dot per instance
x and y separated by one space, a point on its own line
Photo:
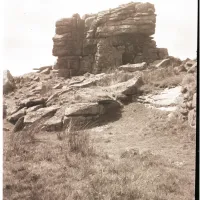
32 117
53 124
14 117
129 87
106 40
32 102
133 67
34 108
8 82
84 109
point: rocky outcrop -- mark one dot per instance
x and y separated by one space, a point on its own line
106 40
8 82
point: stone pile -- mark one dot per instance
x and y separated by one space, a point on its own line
108 39
188 107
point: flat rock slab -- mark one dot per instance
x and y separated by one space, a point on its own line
84 109
45 71
86 83
167 97
133 67
127 88
58 86
54 124
34 108
163 63
14 117
166 100
32 102
32 117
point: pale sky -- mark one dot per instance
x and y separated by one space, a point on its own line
29 26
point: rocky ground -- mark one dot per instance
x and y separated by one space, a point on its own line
125 134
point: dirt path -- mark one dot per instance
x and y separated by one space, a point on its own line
147 129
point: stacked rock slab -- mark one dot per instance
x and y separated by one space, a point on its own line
106 40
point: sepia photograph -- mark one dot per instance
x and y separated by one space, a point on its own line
99 100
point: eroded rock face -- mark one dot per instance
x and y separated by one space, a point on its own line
8 82
106 40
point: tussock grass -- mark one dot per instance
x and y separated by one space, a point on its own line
161 78
46 167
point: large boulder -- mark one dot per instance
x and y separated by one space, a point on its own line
8 82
